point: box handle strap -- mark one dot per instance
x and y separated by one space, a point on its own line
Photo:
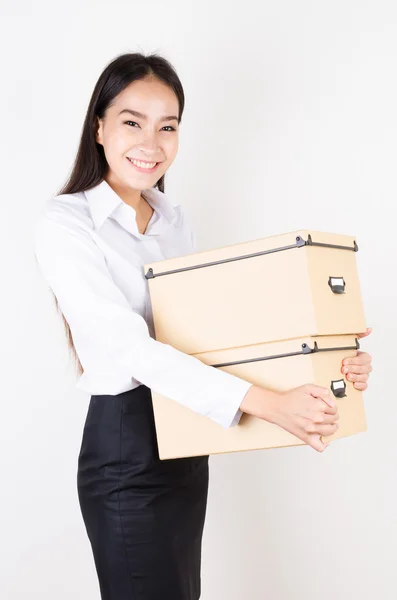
300 242
305 350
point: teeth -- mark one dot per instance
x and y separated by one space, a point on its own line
142 165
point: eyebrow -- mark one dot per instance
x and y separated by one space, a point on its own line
140 115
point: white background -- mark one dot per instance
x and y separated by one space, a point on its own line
290 123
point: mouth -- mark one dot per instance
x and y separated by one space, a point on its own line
143 166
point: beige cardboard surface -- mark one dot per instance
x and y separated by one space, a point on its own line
182 432
276 296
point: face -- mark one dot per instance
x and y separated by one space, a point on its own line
150 137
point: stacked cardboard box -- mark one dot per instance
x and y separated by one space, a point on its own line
279 312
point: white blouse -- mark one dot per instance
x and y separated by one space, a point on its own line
91 254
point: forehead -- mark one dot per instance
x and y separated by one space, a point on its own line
148 95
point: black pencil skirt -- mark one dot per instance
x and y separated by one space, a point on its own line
144 516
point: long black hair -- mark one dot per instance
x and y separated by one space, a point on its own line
90 165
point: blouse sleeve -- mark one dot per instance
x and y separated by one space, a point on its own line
110 337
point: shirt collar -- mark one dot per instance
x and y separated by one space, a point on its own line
104 202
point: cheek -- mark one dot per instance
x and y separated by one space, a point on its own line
116 147
171 148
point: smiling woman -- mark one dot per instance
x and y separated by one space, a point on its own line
144 517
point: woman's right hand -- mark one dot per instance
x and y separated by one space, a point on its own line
307 411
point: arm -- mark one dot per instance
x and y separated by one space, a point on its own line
111 338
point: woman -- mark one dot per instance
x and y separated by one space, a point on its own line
144 517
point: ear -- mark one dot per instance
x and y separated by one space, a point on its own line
98 130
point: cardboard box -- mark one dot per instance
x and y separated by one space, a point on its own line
278 366
279 312
281 287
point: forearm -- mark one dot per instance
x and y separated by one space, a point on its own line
260 402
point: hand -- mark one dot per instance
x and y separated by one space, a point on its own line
308 411
357 368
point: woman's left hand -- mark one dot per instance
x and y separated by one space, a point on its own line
357 368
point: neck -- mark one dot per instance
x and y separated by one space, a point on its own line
130 196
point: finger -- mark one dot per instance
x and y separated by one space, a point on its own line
313 439
350 359
368 332
330 410
320 428
360 385
310 426
361 358
324 393
357 370
357 377
326 418
322 415
317 443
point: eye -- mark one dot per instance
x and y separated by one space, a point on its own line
135 123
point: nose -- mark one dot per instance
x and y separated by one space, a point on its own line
149 144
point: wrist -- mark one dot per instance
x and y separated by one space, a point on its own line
260 402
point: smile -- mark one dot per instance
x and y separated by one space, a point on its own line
143 166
